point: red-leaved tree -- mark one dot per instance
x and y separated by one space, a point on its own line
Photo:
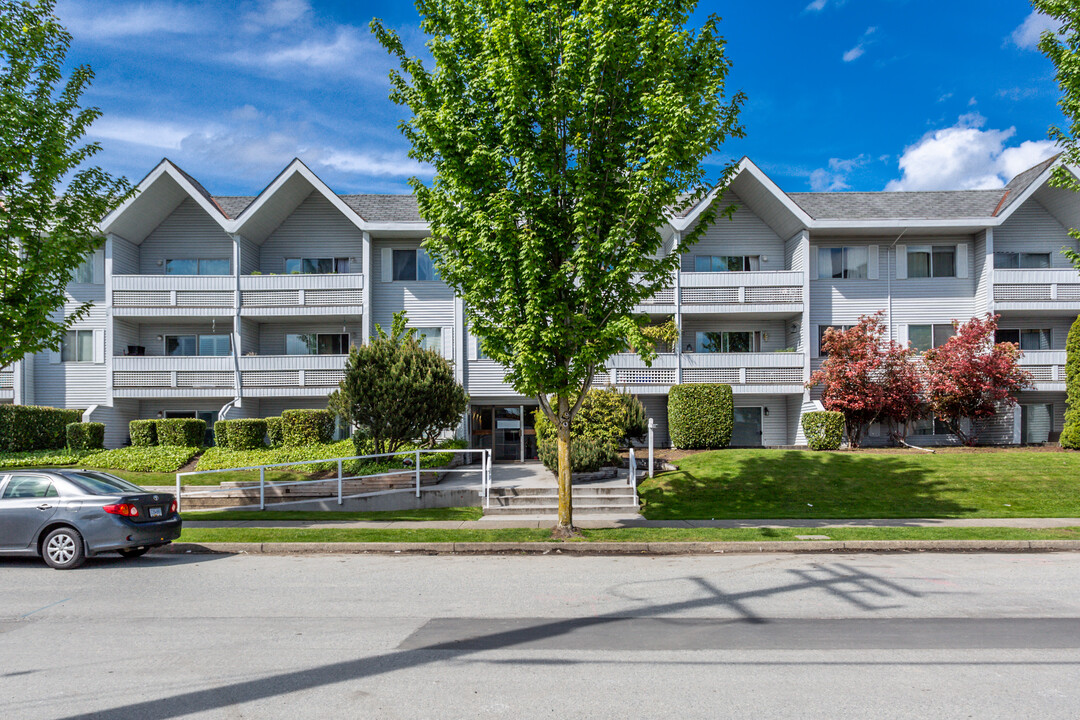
970 376
867 378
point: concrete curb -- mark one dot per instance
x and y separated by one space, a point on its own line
622 548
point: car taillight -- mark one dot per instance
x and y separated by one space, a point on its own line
125 509
172 507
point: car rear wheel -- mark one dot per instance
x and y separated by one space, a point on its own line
134 552
63 549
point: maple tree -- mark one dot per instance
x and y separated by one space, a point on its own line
970 377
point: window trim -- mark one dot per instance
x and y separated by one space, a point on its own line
197 336
1019 260
844 268
931 250
64 344
346 335
198 266
933 334
725 342
418 253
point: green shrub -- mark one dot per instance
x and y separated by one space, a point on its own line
221 433
605 414
587 454
1070 433
824 429
143 433
30 427
247 434
273 431
165 458
40 458
307 427
85 436
181 432
217 458
700 416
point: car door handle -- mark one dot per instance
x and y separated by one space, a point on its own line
46 506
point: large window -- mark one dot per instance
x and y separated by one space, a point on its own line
924 337
728 342
430 338
726 263
213 345
843 262
413 265
91 270
316 343
316 266
198 266
77 346
924 261
1015 260
1027 339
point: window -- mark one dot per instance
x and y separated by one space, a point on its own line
430 338
317 344
77 346
194 345
728 342
29 486
924 261
1026 339
725 263
843 262
413 265
929 427
198 266
821 336
91 271
1013 260
316 266
924 337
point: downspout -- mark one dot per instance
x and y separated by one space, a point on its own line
676 238
888 280
236 331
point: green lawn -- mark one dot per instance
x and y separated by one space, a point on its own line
263 535
453 513
954 483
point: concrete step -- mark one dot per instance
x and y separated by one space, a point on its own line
533 500
554 492
553 510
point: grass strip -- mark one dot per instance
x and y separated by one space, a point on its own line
453 513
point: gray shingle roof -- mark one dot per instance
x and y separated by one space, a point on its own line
945 204
233 205
384 208
1022 182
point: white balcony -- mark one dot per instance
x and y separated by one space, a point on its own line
273 295
168 376
172 295
1054 291
778 293
293 375
747 372
7 385
662 301
1047 368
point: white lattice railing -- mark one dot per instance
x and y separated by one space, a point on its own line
173 372
731 368
301 290
7 379
292 371
742 288
165 291
1036 285
1044 365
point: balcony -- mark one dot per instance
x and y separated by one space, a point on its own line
158 377
1046 291
763 293
172 295
662 302
7 385
1047 368
746 372
292 375
275 295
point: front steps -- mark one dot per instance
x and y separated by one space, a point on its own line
612 500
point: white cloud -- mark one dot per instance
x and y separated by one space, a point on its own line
966 157
856 52
393 164
90 22
342 52
817 5
1027 34
149 133
834 178
277 14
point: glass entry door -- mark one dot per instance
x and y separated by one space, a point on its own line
508 430
1036 423
747 429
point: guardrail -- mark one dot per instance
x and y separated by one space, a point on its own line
485 475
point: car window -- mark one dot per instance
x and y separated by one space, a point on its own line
29 486
97 483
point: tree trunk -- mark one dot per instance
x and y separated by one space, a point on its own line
566 523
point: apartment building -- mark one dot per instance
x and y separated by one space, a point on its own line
215 307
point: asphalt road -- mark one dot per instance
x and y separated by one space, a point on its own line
773 636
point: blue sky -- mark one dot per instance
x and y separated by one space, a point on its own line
843 94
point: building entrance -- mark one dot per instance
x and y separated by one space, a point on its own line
509 431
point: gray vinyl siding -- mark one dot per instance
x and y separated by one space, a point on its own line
982 270
484 378
125 257
250 336
187 233
148 409
793 258
315 229
1057 399
775 329
272 407
428 304
124 333
116 418
795 435
656 408
1032 229
774 426
75 384
744 234
250 254
272 335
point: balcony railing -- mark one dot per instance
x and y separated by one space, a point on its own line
742 288
731 368
173 372
7 379
664 296
1036 286
292 371
299 291
173 291
1044 365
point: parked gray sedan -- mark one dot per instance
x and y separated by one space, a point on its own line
66 516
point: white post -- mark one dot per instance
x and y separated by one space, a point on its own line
417 473
177 492
651 426
339 481
632 475
262 488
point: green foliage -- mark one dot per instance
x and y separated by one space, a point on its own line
637 422
181 432
274 431
306 427
587 454
221 433
396 392
824 429
83 436
700 416
164 458
666 336
39 458
247 434
607 417
143 433
30 427
1070 434
52 200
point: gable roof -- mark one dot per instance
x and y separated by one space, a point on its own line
945 205
1020 184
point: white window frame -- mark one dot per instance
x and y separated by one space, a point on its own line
933 333
197 336
65 345
824 262
930 250
347 336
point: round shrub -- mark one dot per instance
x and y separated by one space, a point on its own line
181 432
274 432
587 454
85 436
700 416
30 427
143 433
307 427
1070 433
247 434
221 433
824 429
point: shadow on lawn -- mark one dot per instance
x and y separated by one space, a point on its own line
733 484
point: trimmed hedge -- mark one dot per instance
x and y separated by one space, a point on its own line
274 431
307 427
700 416
143 433
824 429
82 436
181 432
1070 434
247 434
30 427
221 433
587 454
